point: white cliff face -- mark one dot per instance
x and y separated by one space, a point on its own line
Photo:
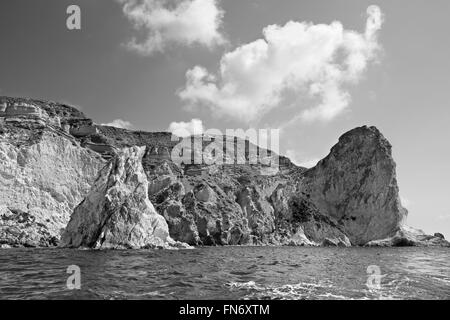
356 185
117 212
40 184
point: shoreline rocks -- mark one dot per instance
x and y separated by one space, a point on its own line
410 237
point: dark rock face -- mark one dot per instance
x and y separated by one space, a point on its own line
235 206
439 235
20 228
141 198
198 211
356 185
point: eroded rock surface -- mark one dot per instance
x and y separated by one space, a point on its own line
356 185
117 212
51 154
407 237
40 185
233 206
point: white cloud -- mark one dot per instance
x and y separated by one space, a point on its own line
184 129
188 22
310 61
302 162
119 123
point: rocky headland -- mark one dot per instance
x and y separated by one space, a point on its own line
66 181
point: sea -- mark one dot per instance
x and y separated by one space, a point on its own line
234 272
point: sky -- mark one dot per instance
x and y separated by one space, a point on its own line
313 69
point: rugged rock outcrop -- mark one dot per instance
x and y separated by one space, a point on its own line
117 212
235 206
51 154
20 228
45 171
320 229
356 185
40 183
198 211
407 237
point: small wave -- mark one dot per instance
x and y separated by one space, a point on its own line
182 284
241 285
329 295
443 280
299 291
119 295
391 289
177 273
242 273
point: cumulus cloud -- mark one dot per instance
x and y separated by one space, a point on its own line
119 123
311 61
185 129
186 22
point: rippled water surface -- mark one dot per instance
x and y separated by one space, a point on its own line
227 273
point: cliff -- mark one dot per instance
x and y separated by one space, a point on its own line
44 174
356 184
62 174
117 213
